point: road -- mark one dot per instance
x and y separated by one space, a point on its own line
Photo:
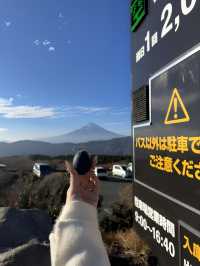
110 190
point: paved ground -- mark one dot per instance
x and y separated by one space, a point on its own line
110 190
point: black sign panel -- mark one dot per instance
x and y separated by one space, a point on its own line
166 57
169 149
189 245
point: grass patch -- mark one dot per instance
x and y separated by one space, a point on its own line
123 244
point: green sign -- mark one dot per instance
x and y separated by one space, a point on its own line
138 13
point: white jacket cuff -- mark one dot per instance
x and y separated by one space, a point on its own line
79 210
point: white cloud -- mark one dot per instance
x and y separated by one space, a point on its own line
8 23
9 110
2 129
27 112
97 110
36 42
46 43
6 102
89 110
71 111
117 123
121 111
52 49
60 15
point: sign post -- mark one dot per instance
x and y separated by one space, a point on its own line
166 59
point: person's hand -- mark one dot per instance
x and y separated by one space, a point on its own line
83 187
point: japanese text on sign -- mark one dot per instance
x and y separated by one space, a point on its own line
191 247
184 168
174 144
155 216
170 22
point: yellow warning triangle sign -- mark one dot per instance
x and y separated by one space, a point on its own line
177 112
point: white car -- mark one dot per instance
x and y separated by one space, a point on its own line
100 171
3 166
130 167
119 170
41 169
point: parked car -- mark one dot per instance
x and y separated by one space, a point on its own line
3 166
41 169
100 171
119 170
130 167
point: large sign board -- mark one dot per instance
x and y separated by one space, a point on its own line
166 58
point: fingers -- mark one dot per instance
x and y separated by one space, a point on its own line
73 174
77 180
96 181
91 171
68 166
83 187
94 162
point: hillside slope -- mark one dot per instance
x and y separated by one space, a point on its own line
120 146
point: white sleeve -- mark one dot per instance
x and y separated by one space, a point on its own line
76 239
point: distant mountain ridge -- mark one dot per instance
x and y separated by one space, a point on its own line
117 146
90 132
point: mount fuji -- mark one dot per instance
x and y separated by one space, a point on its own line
89 132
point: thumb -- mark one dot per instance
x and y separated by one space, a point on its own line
73 174
94 162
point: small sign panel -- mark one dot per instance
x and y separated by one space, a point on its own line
190 245
177 112
138 13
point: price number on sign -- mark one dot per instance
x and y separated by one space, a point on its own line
168 23
187 6
166 17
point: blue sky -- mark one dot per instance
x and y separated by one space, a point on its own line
64 63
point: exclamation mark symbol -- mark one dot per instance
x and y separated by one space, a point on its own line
175 108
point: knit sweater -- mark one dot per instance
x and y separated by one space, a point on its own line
76 239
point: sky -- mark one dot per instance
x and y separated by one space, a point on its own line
63 64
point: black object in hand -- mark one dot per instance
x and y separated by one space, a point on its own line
82 162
